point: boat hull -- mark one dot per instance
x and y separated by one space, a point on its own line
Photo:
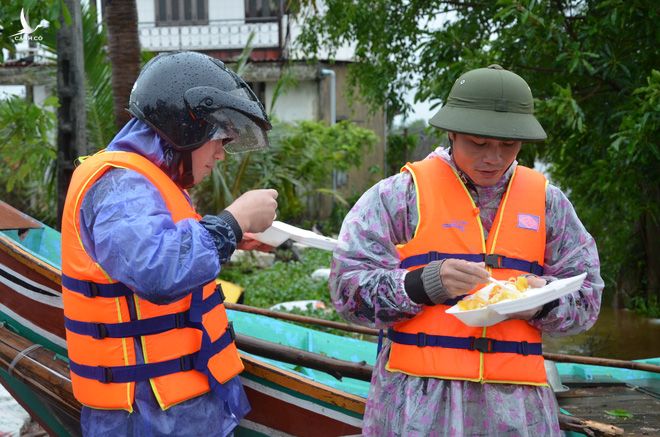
286 399
283 402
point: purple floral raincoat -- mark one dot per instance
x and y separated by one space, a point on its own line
367 287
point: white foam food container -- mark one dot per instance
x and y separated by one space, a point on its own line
481 316
534 298
279 232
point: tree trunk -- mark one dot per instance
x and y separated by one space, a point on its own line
651 235
71 116
629 277
124 52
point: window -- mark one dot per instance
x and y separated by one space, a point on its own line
261 10
181 12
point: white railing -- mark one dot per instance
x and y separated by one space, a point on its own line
218 35
30 55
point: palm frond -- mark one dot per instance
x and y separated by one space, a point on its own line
244 57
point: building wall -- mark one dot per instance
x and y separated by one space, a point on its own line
226 29
40 93
309 99
218 10
299 103
361 179
226 10
146 10
9 91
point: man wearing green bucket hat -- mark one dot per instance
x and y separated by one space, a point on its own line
418 242
491 102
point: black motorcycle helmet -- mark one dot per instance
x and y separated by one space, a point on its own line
189 98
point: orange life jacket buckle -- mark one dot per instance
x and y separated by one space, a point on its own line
93 290
523 348
535 266
101 331
107 375
482 344
186 363
180 320
493 260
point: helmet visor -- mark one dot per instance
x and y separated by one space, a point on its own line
240 133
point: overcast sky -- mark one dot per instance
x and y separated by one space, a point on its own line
420 110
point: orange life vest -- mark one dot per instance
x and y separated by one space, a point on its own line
436 344
182 342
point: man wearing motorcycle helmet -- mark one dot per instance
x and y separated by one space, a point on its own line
418 242
152 352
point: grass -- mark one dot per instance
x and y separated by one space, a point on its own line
646 307
283 281
287 281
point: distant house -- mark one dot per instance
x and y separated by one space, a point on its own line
221 28
29 74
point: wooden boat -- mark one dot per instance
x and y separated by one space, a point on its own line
286 398
31 314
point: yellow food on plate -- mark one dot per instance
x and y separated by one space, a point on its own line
497 294
521 283
473 303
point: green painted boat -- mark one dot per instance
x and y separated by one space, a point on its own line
34 364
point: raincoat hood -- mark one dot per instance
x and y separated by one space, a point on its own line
137 137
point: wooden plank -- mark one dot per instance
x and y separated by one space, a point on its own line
599 406
592 403
12 249
288 354
303 385
11 218
50 381
292 419
599 391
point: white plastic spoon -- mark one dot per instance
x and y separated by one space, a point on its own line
503 284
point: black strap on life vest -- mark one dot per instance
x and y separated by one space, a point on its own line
142 372
152 325
481 344
492 260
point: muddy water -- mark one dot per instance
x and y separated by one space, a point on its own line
618 334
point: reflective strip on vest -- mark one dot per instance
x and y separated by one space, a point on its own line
183 343
436 344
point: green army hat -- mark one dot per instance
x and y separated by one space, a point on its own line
490 102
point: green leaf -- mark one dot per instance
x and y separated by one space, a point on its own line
28 4
244 57
299 164
620 413
64 10
589 66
